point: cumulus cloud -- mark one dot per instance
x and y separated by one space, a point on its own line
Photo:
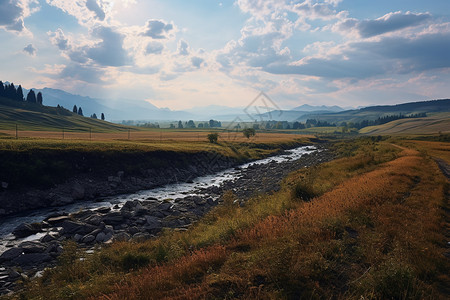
389 55
183 48
30 50
154 48
93 6
13 12
87 12
110 51
83 73
59 39
197 61
387 23
158 29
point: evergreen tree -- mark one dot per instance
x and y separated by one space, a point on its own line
94 116
11 91
75 109
2 89
39 98
31 97
19 94
103 116
80 111
180 125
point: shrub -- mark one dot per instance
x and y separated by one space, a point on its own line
213 137
131 261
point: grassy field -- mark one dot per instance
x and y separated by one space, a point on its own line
416 126
35 117
374 230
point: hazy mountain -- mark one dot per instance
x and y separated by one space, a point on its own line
311 108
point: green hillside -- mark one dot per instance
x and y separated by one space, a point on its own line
429 125
374 112
29 116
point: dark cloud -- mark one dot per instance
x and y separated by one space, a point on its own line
366 59
154 48
197 61
30 50
157 29
388 23
109 52
93 6
11 15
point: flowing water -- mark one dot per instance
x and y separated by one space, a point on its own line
170 191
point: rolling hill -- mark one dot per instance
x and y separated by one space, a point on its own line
374 112
36 117
429 125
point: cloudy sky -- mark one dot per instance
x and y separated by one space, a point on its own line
181 54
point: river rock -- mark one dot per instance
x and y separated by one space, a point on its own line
10 254
57 220
113 218
32 247
31 259
122 237
26 229
72 227
88 238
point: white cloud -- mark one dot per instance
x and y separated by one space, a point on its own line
158 29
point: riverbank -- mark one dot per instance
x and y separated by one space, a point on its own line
138 220
48 174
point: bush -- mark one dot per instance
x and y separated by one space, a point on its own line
213 137
304 191
132 261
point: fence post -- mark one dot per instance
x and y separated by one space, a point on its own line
128 134
63 132
90 133
17 134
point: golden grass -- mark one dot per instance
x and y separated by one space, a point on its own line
154 135
374 232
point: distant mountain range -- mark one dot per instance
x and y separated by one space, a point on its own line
124 109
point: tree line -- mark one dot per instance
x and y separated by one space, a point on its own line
9 91
381 120
79 111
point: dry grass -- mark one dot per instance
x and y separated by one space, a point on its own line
373 232
162 135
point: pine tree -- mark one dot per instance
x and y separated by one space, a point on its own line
11 91
19 94
180 125
31 97
2 89
103 116
75 109
80 111
94 116
39 98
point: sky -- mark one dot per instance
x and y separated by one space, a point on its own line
181 54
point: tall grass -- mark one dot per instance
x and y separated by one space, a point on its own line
373 231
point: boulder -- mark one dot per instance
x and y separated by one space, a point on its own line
32 259
73 227
57 219
10 254
113 218
26 229
152 222
32 247
88 238
122 237
141 236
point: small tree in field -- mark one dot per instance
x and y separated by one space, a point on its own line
249 132
213 137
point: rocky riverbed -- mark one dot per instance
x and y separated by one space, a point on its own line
35 246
